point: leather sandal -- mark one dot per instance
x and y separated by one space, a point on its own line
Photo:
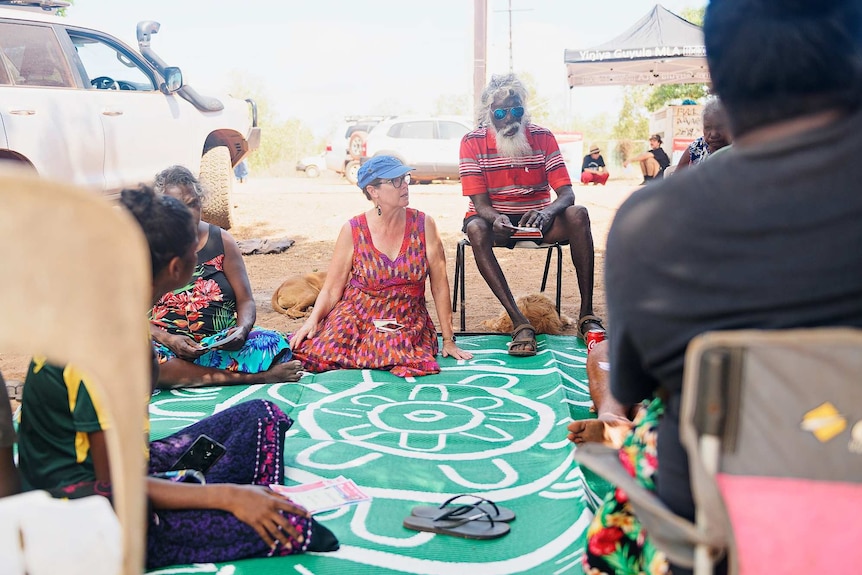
527 347
587 319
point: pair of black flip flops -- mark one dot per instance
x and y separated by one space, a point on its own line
478 519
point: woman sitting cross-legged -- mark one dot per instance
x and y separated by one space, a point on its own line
371 312
235 515
218 300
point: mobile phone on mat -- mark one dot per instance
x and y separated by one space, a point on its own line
201 455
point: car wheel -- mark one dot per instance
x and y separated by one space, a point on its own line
354 146
351 171
312 172
217 178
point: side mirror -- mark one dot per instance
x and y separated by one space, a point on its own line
173 80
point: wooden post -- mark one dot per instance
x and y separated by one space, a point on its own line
480 52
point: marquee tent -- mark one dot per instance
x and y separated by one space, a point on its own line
661 48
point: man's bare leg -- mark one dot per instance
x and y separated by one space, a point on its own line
580 234
612 423
574 226
482 241
650 167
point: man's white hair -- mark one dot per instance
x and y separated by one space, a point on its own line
500 85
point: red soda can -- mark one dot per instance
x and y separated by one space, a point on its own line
593 337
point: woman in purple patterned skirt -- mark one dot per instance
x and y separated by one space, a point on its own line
235 515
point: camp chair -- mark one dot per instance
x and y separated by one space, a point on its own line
772 423
76 280
552 248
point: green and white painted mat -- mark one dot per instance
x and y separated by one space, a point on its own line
494 425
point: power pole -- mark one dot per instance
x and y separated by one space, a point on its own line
480 52
511 62
510 10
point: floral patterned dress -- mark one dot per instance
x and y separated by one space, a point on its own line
698 151
206 308
616 541
379 288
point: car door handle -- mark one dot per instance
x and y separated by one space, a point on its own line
23 112
112 113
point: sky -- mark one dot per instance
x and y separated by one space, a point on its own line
321 60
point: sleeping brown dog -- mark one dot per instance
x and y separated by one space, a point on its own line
540 312
295 295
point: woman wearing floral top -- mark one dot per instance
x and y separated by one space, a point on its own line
217 302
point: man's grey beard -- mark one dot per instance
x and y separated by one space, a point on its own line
515 145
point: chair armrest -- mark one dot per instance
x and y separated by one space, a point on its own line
675 536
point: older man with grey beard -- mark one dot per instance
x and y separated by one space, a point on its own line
508 168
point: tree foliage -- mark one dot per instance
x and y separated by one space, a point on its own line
62 11
537 106
453 105
661 95
633 122
694 15
282 142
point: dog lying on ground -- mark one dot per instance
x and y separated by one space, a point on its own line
539 311
296 295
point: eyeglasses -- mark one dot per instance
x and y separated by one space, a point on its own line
517 112
398 181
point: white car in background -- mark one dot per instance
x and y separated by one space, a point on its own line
312 165
429 144
346 145
78 105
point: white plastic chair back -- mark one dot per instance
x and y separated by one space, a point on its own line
76 282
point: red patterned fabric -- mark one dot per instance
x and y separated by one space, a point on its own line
379 288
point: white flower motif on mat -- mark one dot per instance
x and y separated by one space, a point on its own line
431 421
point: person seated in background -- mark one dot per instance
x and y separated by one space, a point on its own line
218 300
593 169
716 135
10 483
62 443
371 311
653 162
508 167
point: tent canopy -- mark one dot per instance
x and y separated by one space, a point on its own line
661 48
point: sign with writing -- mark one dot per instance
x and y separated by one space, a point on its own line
637 78
687 122
639 53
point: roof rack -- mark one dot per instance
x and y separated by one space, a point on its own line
47 5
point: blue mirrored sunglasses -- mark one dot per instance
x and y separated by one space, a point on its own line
517 112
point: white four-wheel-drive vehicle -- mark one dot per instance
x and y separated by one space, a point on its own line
80 106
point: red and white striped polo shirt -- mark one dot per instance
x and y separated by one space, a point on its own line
514 185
